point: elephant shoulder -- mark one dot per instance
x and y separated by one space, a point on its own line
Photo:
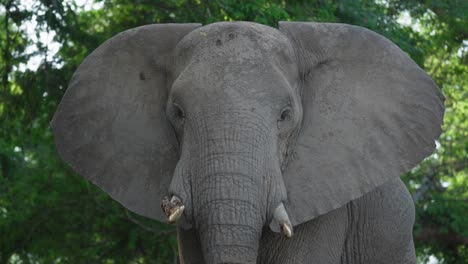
391 202
381 225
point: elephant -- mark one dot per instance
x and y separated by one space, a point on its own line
261 144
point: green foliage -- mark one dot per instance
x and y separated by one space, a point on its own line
48 214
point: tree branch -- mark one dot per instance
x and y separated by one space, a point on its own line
430 234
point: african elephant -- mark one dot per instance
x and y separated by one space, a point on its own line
272 145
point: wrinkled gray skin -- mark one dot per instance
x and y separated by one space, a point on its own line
376 228
237 118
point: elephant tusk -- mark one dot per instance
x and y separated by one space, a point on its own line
281 216
286 229
175 214
173 208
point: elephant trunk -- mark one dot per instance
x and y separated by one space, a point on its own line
229 213
232 192
227 236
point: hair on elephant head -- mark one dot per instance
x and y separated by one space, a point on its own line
242 125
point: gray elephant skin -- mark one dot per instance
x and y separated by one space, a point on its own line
272 145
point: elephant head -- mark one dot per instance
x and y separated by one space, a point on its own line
242 125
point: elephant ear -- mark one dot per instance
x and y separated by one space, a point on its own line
370 114
111 126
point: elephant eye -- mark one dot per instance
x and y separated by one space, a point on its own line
178 112
285 114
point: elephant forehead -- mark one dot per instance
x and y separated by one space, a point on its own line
240 42
244 59
231 82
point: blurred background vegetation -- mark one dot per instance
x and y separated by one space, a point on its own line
48 214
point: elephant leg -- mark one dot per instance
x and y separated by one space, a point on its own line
381 225
317 241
